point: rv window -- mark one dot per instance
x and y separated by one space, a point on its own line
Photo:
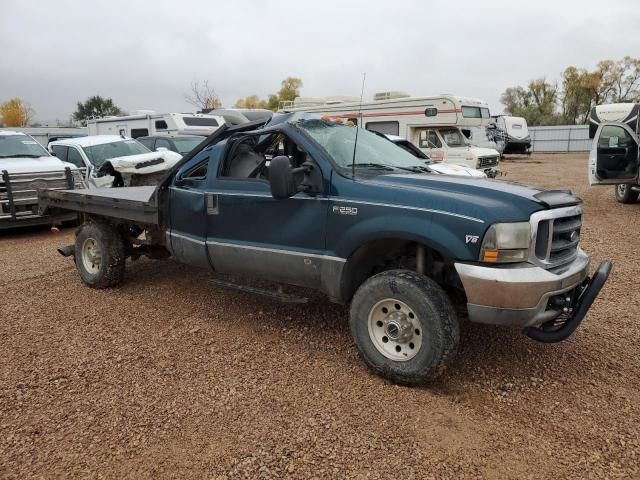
161 125
200 122
60 151
386 128
471 112
139 132
431 112
485 112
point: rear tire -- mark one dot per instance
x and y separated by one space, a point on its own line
624 194
100 255
404 326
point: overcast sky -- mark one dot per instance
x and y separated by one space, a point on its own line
145 54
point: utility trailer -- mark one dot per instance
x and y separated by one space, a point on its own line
295 203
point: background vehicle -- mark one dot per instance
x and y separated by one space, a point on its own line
111 160
25 167
442 168
513 132
431 123
289 204
181 144
44 135
614 158
148 123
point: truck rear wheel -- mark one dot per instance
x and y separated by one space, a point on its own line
404 326
100 255
624 194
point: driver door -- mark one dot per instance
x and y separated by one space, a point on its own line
614 156
430 143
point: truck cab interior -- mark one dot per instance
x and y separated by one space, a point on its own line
617 154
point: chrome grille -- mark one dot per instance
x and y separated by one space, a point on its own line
555 236
485 162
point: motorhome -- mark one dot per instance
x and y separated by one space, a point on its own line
513 132
44 135
146 123
431 123
614 158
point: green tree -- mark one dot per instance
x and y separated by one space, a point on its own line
536 103
95 107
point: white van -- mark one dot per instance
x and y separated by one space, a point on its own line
431 123
513 132
149 123
614 158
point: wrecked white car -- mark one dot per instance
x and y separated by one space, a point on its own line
114 161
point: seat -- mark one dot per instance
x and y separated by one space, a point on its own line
244 162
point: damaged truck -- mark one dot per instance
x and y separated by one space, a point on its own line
305 201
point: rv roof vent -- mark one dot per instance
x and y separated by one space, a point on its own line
390 95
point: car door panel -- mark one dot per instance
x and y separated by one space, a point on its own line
614 156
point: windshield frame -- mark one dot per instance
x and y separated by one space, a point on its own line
465 140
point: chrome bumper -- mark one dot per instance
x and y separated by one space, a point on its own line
518 295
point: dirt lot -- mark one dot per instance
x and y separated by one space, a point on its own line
170 377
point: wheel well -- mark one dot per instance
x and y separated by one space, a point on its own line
392 253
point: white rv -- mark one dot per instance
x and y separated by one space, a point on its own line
512 132
149 123
615 157
431 123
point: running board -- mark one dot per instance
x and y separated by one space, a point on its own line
272 294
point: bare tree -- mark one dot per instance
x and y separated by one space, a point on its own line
202 96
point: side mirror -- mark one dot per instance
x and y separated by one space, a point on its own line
162 149
53 154
281 178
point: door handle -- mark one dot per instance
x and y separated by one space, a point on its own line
212 204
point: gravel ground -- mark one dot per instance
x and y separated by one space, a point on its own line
171 377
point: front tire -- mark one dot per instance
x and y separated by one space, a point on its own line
404 326
100 255
624 194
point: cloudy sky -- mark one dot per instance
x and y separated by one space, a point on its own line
145 54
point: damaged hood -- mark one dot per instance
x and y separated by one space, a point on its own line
144 163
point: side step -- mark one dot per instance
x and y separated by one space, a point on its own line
272 294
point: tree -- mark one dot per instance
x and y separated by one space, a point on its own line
16 113
251 102
289 89
536 103
95 107
202 96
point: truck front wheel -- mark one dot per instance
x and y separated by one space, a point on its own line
624 194
100 255
404 326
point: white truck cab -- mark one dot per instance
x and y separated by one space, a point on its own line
103 158
614 158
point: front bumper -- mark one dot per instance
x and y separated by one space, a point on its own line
518 295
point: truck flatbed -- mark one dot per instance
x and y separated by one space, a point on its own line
129 203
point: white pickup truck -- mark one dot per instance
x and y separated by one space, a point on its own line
26 167
114 161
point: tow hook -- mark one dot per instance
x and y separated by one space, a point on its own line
576 310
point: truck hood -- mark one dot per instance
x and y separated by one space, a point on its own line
454 169
461 152
489 200
28 165
145 163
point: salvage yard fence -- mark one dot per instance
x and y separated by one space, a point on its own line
560 138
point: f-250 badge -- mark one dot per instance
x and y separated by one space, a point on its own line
471 238
345 210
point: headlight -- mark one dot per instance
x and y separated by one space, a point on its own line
506 243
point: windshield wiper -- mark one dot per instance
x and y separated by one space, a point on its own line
20 155
375 166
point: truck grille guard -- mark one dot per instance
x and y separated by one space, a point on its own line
19 191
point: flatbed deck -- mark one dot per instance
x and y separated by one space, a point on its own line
136 204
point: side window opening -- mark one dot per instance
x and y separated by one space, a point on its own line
74 157
198 172
60 151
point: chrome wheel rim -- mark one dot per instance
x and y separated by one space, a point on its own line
395 330
622 189
91 255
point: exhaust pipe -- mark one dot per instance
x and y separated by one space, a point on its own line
68 251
